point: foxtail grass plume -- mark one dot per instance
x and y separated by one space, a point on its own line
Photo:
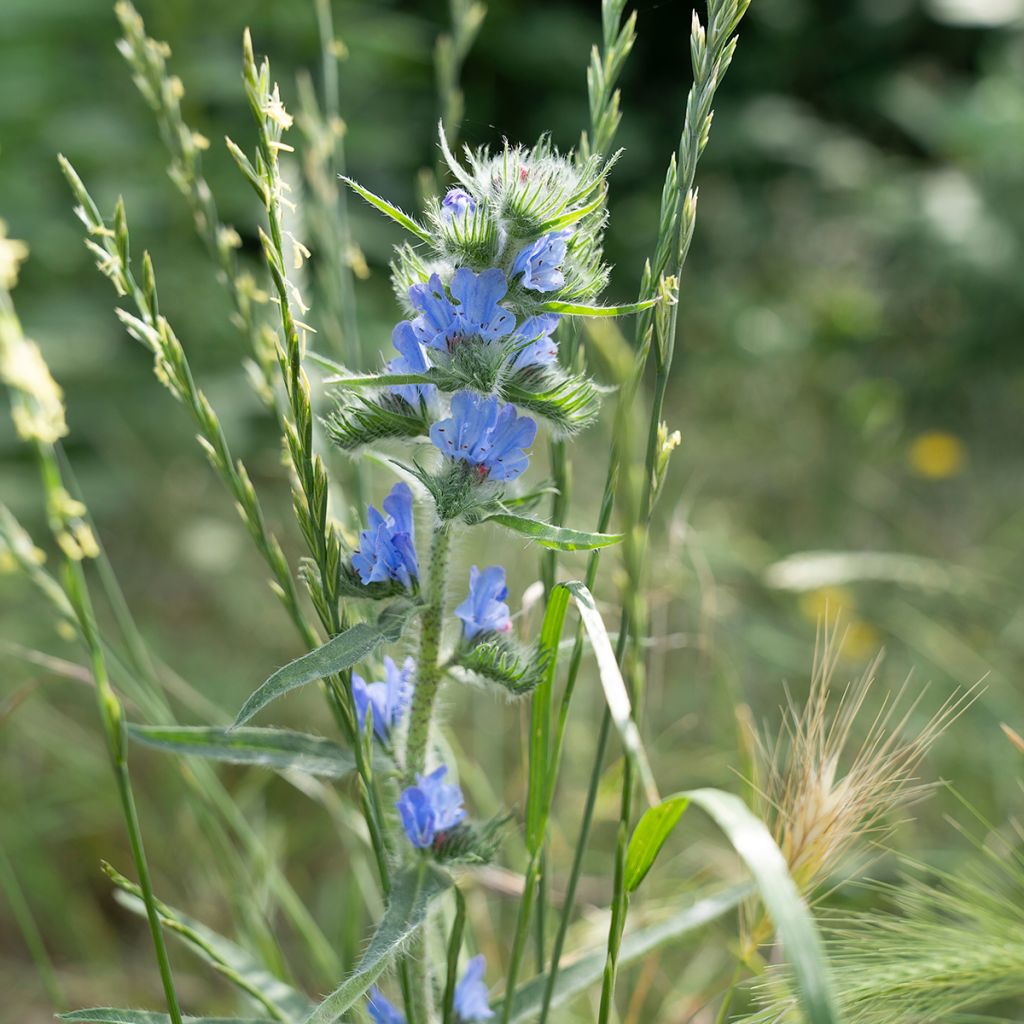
822 789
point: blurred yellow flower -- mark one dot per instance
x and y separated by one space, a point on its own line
824 603
936 455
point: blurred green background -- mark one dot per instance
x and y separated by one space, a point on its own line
849 378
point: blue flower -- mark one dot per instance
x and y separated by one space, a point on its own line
486 434
457 203
411 359
471 993
387 700
430 808
540 262
476 312
484 610
387 548
381 1011
533 344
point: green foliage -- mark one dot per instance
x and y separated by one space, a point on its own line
339 653
278 749
414 892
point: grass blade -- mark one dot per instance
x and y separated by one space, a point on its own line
614 688
751 839
412 895
278 749
581 309
578 976
339 653
226 957
559 538
109 1015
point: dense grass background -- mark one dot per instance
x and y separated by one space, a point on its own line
848 379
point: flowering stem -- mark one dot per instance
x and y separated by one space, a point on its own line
429 671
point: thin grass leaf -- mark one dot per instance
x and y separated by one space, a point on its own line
388 210
109 1015
413 894
801 942
379 380
559 538
224 956
576 977
581 309
615 693
338 654
278 749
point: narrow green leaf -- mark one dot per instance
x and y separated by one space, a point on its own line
540 719
278 749
412 895
379 380
576 977
339 653
109 1015
615 693
649 836
223 955
580 309
750 838
560 538
565 219
388 209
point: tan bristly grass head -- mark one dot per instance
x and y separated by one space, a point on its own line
822 788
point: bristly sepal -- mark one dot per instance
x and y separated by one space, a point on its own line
359 420
500 659
471 844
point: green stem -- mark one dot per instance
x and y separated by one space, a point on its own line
428 668
112 716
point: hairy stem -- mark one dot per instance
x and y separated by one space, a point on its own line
428 668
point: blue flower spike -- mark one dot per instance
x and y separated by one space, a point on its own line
456 204
430 808
386 701
380 1010
541 261
484 610
485 434
387 549
475 313
471 993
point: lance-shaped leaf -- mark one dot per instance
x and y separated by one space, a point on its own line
559 538
110 1015
576 977
338 654
581 309
750 838
412 895
278 749
243 970
389 210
